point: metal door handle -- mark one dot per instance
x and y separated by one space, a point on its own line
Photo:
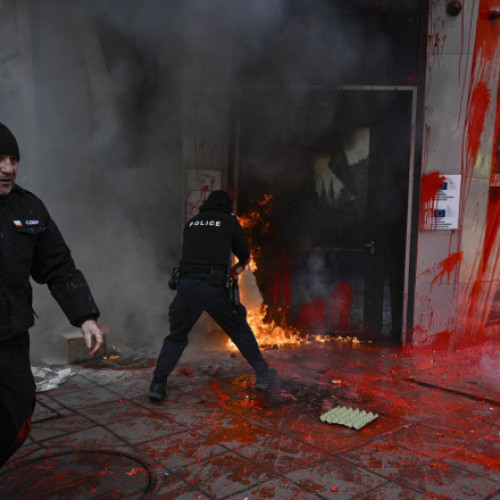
371 247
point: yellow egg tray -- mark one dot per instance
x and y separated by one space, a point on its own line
354 419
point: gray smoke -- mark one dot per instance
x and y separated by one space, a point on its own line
126 96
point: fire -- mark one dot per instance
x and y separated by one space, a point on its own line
111 352
267 332
258 215
270 334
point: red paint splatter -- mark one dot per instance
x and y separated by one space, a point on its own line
340 308
480 102
431 184
333 314
311 314
447 265
215 386
438 341
476 301
476 298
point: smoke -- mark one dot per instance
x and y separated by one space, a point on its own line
117 87
129 95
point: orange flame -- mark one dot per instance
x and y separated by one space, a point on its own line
268 333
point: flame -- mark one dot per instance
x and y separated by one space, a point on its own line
111 352
267 332
270 335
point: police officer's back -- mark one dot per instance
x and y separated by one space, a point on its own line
208 240
210 236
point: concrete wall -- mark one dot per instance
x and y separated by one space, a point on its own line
460 111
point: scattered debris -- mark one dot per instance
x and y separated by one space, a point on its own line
134 471
47 379
348 416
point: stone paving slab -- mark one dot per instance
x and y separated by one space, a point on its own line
445 481
225 475
217 437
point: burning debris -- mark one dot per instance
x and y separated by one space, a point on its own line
111 352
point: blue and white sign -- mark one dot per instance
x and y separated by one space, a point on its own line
446 208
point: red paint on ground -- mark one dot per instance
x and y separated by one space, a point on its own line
215 386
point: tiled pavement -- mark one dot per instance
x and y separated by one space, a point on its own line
438 434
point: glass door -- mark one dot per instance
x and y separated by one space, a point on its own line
325 175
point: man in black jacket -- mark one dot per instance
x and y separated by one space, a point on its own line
30 245
208 240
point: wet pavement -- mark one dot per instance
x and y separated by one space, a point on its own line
437 434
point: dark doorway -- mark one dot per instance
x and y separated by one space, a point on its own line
328 170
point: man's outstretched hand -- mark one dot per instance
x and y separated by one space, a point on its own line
91 328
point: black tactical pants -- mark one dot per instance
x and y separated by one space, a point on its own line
193 297
17 395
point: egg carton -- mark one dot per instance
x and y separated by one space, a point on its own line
354 419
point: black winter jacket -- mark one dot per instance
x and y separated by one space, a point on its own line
210 236
31 245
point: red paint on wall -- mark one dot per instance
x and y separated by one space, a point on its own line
476 301
480 102
340 307
475 298
311 315
447 266
439 341
481 296
431 184
331 315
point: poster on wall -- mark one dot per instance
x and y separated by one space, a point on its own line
200 183
445 209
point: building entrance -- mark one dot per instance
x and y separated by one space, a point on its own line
324 174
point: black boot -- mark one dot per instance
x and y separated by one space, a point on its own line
156 392
265 379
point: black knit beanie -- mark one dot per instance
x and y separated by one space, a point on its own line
8 143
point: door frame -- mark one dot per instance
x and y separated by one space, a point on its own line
411 179
233 176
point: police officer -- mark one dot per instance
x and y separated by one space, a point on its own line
208 240
30 245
